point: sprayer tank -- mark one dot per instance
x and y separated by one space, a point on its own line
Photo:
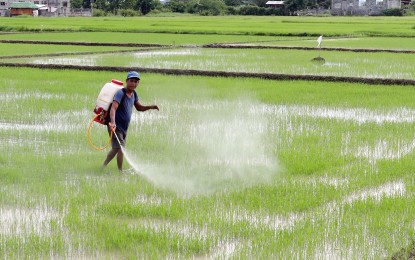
107 93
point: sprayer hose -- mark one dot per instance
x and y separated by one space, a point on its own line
89 136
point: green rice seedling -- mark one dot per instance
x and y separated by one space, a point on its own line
336 160
241 25
351 42
228 168
14 49
298 62
140 38
396 43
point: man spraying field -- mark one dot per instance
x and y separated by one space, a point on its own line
120 114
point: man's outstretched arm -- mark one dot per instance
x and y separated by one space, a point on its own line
143 108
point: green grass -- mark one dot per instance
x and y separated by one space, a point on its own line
240 25
394 43
124 37
229 167
15 49
344 64
239 168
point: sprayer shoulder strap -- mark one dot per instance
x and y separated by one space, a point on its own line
108 113
125 93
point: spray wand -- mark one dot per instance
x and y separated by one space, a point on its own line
116 136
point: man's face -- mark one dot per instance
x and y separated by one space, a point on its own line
132 83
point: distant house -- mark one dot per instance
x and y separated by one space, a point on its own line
20 8
275 4
362 7
43 7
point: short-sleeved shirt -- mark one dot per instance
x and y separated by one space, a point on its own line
124 110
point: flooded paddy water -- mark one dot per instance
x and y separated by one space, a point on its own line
212 174
190 163
298 62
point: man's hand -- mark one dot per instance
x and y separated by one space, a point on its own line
113 126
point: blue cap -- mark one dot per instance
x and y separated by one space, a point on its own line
133 74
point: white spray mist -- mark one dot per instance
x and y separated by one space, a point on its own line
216 146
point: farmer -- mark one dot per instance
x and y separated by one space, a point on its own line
120 114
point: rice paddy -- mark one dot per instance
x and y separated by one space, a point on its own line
228 168
149 38
349 64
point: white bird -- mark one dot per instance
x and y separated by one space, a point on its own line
319 40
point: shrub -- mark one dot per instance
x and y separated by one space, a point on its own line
231 10
409 10
274 11
177 6
392 12
129 13
98 13
248 10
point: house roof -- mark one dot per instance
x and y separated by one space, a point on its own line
274 3
22 5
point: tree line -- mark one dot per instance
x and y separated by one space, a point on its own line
211 7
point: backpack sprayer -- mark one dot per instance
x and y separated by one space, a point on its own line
103 107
